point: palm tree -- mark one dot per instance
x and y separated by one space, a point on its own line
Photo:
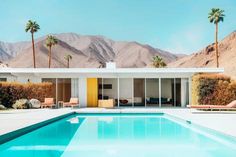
50 41
32 27
68 58
158 62
101 64
215 16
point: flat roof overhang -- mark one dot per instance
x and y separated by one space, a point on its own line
106 72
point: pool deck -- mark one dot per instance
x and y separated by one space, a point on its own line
16 119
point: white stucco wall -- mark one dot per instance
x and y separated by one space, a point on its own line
25 79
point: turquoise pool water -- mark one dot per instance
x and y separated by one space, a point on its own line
120 135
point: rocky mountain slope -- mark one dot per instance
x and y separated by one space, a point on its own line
206 57
87 51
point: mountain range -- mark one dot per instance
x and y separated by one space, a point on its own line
87 51
93 51
206 57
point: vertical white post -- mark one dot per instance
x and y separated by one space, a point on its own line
83 92
132 92
190 90
118 90
159 92
56 91
145 90
184 91
174 92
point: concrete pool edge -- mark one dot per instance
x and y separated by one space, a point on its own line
201 127
188 118
19 132
180 116
194 126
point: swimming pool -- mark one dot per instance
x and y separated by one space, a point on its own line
120 135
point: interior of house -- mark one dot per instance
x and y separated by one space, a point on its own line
125 92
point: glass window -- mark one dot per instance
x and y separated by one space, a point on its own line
167 92
3 79
178 92
152 92
53 81
63 89
139 92
125 92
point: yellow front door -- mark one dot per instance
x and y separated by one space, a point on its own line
92 92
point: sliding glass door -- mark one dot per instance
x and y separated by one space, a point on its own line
139 92
167 92
125 92
54 86
174 92
61 88
152 92
108 89
128 92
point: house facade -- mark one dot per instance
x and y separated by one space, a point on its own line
127 87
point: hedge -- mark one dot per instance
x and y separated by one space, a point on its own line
12 91
213 89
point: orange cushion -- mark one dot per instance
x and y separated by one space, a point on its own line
74 100
232 104
48 101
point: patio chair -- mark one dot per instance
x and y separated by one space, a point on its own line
48 102
230 106
72 103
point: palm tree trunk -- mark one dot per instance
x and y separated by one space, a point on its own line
68 63
50 56
216 44
32 36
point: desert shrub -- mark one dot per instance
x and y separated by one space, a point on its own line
12 91
21 104
2 107
213 89
35 103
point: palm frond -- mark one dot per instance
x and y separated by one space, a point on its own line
158 62
32 26
216 15
51 41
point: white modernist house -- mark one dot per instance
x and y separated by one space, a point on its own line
127 87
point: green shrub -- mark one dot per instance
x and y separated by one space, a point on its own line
12 91
212 89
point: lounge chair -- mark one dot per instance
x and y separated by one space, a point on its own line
230 106
72 103
48 102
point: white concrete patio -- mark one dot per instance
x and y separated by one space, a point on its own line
17 119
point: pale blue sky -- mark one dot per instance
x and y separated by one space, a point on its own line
180 26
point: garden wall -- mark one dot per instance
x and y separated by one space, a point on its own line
213 89
12 91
